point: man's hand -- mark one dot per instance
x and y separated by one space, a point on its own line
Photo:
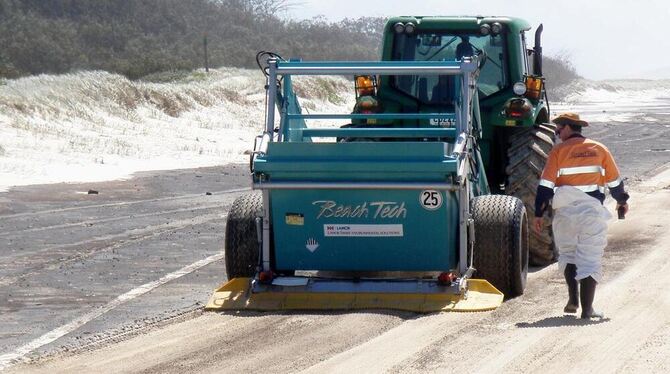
538 222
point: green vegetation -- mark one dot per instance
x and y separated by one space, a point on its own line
558 70
140 37
162 40
175 76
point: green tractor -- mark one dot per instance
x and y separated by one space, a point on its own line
420 201
516 134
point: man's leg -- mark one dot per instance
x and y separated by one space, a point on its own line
591 243
587 295
573 288
566 242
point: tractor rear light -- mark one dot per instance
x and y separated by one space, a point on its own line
518 108
266 276
446 278
366 85
485 29
399 28
516 113
534 87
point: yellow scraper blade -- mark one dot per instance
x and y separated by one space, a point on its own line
236 295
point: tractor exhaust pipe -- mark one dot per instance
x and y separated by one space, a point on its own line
537 56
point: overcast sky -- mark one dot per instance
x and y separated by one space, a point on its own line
604 38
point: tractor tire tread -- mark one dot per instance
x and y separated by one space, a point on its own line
241 241
527 154
501 252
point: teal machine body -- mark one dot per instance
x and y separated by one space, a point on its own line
373 198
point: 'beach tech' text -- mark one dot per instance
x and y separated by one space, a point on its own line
378 209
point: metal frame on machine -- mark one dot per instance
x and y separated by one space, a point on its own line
467 69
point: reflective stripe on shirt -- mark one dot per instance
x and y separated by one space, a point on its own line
581 170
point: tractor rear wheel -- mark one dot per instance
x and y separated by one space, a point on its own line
501 242
527 155
241 245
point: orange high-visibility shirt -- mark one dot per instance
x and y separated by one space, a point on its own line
581 163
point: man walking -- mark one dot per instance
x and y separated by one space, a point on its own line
575 177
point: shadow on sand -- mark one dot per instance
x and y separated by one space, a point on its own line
566 320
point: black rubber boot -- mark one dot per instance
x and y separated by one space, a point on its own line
588 292
573 288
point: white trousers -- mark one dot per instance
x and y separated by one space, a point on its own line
580 231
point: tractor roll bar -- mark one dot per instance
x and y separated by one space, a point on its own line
374 116
370 67
465 68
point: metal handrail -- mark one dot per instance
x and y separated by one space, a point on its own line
354 186
378 132
375 67
374 116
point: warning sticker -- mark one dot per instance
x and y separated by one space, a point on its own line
362 230
295 219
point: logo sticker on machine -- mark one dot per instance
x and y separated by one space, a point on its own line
363 230
430 199
373 209
297 219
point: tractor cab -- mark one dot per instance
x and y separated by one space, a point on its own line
448 45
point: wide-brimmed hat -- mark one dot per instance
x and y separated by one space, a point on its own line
569 119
